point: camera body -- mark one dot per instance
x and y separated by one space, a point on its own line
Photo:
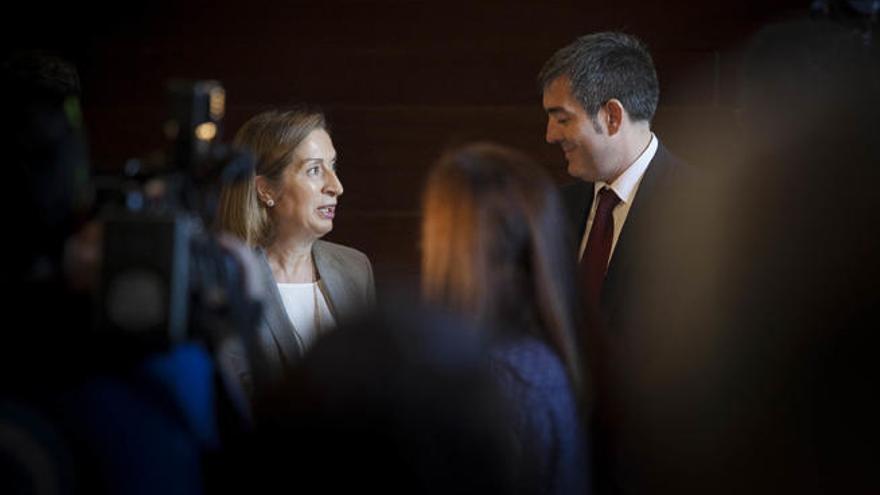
164 277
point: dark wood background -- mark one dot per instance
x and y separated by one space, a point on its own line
399 79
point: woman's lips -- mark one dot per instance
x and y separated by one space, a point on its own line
327 212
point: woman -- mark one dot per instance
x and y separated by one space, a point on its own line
494 249
283 211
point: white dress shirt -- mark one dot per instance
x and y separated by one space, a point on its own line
301 302
626 186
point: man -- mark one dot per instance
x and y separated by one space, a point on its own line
600 93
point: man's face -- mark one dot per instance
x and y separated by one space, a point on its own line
584 141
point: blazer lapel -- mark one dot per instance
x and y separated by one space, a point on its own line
331 272
276 319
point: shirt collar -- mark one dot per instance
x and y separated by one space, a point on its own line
626 185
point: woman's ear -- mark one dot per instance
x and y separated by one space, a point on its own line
264 191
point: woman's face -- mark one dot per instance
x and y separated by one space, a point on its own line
306 194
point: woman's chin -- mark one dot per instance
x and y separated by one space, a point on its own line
324 230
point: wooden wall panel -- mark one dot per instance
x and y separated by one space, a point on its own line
399 79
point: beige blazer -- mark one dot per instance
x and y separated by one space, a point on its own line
347 279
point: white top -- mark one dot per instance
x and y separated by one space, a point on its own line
300 301
625 187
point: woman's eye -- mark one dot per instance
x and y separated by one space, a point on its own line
313 170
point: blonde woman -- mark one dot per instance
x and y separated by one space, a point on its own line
283 211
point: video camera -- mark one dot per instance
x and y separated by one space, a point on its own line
165 278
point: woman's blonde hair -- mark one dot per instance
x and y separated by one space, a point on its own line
495 246
272 137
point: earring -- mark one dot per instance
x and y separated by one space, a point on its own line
270 202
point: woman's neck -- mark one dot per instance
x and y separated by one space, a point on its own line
291 262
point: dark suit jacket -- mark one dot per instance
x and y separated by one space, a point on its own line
639 245
641 274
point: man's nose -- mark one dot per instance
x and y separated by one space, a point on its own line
552 134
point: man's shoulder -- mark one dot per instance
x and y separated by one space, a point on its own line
668 171
667 162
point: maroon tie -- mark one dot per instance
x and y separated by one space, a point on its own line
601 355
595 261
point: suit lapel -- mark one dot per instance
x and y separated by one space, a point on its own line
643 204
632 224
633 243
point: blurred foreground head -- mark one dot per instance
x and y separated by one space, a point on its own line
401 402
45 159
495 246
761 385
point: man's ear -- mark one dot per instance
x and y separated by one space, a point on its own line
614 115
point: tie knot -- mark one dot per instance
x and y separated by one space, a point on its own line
607 201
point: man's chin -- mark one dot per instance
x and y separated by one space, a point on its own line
578 171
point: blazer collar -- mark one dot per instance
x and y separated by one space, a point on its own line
276 319
332 273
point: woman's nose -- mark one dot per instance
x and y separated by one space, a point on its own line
333 186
